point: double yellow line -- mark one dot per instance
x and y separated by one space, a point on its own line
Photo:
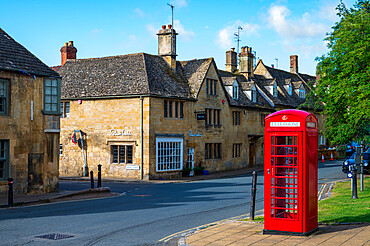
166 239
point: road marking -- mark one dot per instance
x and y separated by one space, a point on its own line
166 239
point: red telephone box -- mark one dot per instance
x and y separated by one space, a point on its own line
290 173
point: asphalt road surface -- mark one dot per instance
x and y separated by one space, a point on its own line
141 215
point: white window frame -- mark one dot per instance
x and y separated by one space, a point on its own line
167 162
235 91
290 89
302 92
275 90
254 95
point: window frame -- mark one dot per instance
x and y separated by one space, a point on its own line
275 92
302 92
164 158
290 89
235 92
6 158
236 118
5 112
51 112
237 147
213 151
63 109
254 95
119 147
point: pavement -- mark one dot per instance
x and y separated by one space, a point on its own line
233 233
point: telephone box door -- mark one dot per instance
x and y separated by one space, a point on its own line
283 177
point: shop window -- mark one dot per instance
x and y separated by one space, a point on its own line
4 159
237 150
173 109
169 154
4 97
212 151
51 96
64 109
61 149
213 117
236 118
121 154
211 87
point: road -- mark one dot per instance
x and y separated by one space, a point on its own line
144 214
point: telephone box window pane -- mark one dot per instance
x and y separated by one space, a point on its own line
272 150
295 140
290 140
272 140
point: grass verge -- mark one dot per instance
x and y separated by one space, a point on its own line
340 208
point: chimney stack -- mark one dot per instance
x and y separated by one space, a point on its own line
246 61
167 45
231 63
294 64
68 51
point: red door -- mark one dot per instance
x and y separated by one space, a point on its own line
283 178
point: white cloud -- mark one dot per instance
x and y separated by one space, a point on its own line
179 3
329 12
139 12
226 35
153 31
288 28
183 34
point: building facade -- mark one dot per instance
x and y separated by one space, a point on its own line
149 116
29 120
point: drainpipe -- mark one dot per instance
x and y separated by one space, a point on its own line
141 138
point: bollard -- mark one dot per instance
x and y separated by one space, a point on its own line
92 179
99 176
10 192
253 195
354 182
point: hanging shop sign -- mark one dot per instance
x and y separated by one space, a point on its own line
115 132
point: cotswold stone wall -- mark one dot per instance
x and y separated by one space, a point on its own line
33 154
99 118
102 122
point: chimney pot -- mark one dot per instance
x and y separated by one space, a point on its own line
272 65
70 43
163 27
68 52
232 49
169 26
65 44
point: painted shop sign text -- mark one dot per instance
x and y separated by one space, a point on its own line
115 132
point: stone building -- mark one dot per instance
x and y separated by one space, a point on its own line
148 116
280 89
29 120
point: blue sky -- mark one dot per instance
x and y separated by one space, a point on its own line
274 29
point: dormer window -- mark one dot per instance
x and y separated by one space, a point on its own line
290 89
254 95
302 92
235 91
275 90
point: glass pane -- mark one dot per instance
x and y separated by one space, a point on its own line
47 82
47 107
54 107
129 154
115 154
54 90
54 99
47 90
54 83
122 158
47 99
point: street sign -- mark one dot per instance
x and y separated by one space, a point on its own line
201 116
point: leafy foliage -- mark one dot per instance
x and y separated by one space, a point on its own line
344 85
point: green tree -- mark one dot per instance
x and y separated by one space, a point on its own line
343 89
